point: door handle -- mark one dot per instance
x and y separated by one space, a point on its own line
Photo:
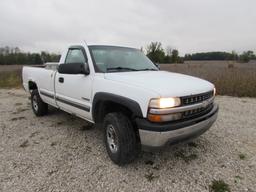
61 79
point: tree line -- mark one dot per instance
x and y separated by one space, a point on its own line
13 55
157 54
245 57
155 51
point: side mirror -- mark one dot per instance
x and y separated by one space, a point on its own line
74 68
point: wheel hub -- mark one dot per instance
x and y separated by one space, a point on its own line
35 104
112 139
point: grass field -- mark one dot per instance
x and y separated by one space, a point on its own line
10 79
10 76
234 79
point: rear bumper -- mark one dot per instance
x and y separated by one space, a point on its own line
154 135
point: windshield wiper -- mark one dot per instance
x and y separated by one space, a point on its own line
148 69
121 68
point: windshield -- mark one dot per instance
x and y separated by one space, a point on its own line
120 59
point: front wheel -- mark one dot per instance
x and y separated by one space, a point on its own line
120 138
39 107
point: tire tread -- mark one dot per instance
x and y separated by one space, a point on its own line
129 147
42 106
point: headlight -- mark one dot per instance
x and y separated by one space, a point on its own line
161 104
164 102
214 91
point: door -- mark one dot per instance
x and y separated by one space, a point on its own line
73 91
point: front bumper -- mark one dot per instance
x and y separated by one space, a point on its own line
154 135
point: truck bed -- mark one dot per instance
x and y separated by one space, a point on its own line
36 72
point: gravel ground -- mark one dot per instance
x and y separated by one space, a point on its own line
60 152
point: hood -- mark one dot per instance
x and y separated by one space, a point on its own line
166 84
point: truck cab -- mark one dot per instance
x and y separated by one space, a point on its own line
137 105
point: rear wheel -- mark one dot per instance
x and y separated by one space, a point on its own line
39 107
120 138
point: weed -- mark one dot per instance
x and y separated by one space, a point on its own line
192 144
156 167
86 127
219 186
52 172
88 149
186 158
24 144
54 143
149 162
150 176
242 156
237 178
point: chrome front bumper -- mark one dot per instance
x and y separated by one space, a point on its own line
155 139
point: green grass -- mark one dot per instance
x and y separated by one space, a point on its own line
242 156
10 79
219 186
237 178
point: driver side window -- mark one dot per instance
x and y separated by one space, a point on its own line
75 56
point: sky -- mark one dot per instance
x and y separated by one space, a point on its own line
187 25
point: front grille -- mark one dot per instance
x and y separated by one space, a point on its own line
193 99
197 112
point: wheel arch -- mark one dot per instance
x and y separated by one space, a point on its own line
32 85
107 102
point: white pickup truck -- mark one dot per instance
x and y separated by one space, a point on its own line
119 88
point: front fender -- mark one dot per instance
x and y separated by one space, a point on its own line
124 101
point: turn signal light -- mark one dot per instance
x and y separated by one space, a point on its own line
164 118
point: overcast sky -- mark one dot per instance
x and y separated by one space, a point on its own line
188 25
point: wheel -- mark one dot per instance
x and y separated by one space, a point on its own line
39 107
120 138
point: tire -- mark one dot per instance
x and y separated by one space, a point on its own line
39 107
123 148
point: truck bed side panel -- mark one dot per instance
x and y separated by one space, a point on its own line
44 79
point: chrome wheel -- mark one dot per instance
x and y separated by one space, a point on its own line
34 103
112 139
